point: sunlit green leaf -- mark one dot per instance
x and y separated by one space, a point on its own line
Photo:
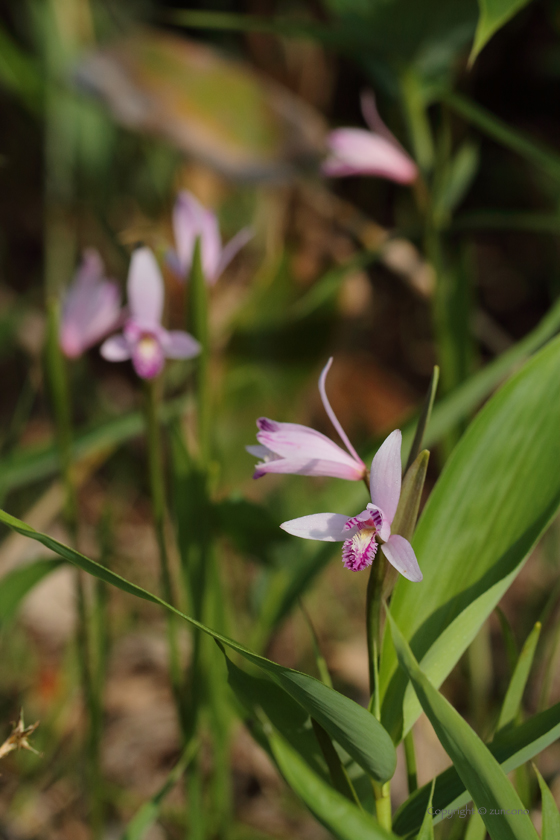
550 813
496 495
511 749
514 695
363 737
494 795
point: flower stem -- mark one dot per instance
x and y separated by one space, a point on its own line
57 374
383 804
374 624
157 489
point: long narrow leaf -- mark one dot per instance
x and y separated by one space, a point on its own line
514 694
363 737
550 814
339 815
494 795
511 749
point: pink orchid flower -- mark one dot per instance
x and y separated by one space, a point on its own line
362 534
192 221
356 151
144 339
91 307
292 448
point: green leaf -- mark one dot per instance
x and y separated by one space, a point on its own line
538 154
511 749
284 713
427 828
550 813
147 815
424 419
476 829
495 497
493 15
363 737
481 774
34 463
514 695
448 648
19 582
340 816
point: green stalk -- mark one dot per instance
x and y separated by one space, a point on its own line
57 374
374 629
159 508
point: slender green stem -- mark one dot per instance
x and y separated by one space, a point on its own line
159 507
374 622
383 804
60 395
410 756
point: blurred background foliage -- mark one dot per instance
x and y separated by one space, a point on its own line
107 109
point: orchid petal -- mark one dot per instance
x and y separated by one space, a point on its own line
116 349
293 441
187 214
231 249
178 344
385 477
210 243
355 151
400 554
259 451
308 466
332 416
374 121
145 288
327 527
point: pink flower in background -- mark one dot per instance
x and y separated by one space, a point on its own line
191 221
291 448
356 151
360 534
143 339
91 307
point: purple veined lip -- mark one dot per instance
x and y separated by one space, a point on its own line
361 534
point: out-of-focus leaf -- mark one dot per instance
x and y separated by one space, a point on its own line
495 497
357 732
507 220
514 695
493 15
340 816
550 813
512 749
325 289
424 419
207 105
457 179
25 466
19 72
147 815
19 582
536 153
249 526
491 790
